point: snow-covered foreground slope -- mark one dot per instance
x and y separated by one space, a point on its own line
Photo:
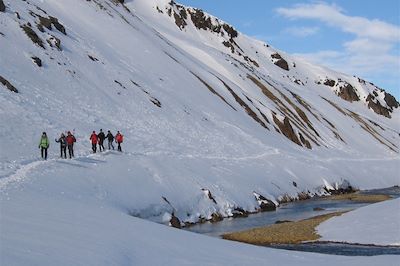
77 213
375 224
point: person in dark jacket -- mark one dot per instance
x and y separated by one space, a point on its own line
63 146
93 138
70 144
110 138
119 138
44 145
101 137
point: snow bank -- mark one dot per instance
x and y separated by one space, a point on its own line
376 224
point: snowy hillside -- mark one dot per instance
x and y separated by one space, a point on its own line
185 86
209 115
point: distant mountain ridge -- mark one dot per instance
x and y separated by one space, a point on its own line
378 100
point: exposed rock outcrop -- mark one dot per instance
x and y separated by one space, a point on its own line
209 195
344 188
200 20
229 45
48 22
32 35
304 195
329 82
216 217
58 25
305 142
391 101
180 15
180 20
347 92
249 111
230 30
175 222
2 6
254 62
264 203
239 212
211 89
45 22
376 106
8 85
203 21
37 61
93 58
155 101
280 62
287 129
54 42
298 81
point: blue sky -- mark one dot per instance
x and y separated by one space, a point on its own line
358 37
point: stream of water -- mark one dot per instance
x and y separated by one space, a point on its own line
300 210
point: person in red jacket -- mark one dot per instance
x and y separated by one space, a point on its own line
93 138
70 144
119 138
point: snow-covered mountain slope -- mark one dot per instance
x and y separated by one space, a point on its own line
204 107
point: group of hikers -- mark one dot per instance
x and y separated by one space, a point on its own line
67 142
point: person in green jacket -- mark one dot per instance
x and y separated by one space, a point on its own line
44 145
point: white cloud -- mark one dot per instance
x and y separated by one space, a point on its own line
301 31
333 16
370 52
334 58
354 63
364 45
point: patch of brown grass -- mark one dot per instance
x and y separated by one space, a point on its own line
359 197
284 233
